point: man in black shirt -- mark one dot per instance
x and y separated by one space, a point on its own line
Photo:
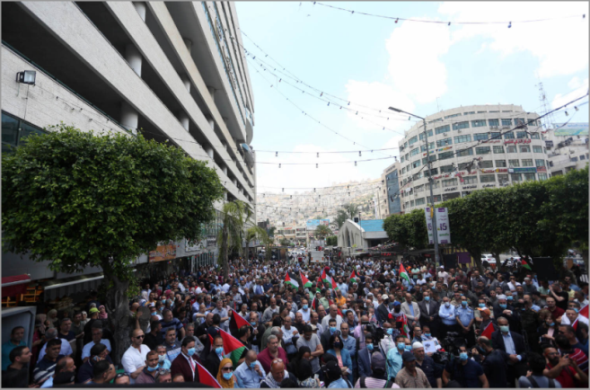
561 297
17 374
493 362
426 364
155 337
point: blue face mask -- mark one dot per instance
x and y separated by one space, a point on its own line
401 346
252 365
163 301
332 329
370 347
161 358
191 351
427 334
482 305
219 350
305 307
509 298
464 303
576 310
504 329
154 313
503 305
152 369
408 348
227 375
463 356
427 299
390 331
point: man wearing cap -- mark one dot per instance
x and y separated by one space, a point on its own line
383 310
426 364
410 376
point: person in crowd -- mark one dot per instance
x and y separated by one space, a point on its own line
122 379
250 372
172 344
429 309
97 338
271 353
514 345
493 362
97 353
225 375
154 336
334 376
311 341
427 365
575 354
17 335
149 371
464 371
336 348
16 373
215 357
410 376
134 359
51 334
395 357
164 376
276 375
446 313
536 378
563 369
103 372
45 367
411 310
64 367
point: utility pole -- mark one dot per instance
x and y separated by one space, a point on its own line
430 181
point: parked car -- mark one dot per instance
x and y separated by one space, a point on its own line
490 259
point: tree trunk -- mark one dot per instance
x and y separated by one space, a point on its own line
225 245
119 315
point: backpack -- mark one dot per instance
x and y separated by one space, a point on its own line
364 385
535 385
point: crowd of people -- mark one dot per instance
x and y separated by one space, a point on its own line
362 323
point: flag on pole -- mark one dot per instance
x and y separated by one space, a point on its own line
584 311
290 281
525 265
575 324
353 277
237 321
334 285
325 277
304 280
403 274
206 378
487 332
232 347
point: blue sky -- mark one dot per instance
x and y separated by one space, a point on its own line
418 67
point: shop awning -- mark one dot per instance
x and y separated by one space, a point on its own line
15 285
70 282
71 286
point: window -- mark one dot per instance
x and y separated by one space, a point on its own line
542 176
411 203
420 201
513 163
574 159
539 163
419 188
478 123
433 171
452 116
407 156
480 136
414 152
442 129
525 149
519 121
403 170
430 146
483 150
529 176
511 149
421 135
460 125
495 135
482 112
436 184
470 180
436 199
498 149
413 140
15 131
466 152
405 145
486 164
469 113
444 142
535 136
416 164
402 159
446 169
582 157
449 183
463 138
436 120
506 122
537 149
521 134
445 155
487 178
493 122
463 166
516 177
432 158
509 135
500 163
417 176
527 162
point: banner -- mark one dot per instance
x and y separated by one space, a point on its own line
429 225
312 224
163 252
443 227
571 129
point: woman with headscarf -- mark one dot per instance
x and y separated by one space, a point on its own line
102 315
225 375
304 353
304 375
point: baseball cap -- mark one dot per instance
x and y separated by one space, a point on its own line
384 297
94 310
396 303
378 361
408 357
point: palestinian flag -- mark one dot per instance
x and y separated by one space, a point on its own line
575 324
237 321
405 329
353 277
232 347
325 277
314 303
334 285
206 378
403 274
304 280
525 264
487 332
584 311
291 281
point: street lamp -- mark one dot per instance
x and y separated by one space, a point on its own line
430 180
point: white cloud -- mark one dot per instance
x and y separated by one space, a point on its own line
574 83
561 46
582 88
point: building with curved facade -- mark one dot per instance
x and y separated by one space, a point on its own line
471 148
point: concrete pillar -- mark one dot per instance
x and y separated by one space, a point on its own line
188 43
225 196
133 57
184 121
211 92
141 9
211 123
129 117
210 152
225 170
187 83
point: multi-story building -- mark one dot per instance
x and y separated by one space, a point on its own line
389 199
567 146
471 148
171 71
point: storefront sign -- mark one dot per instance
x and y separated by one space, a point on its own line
450 189
523 170
191 246
469 187
517 141
541 169
498 170
163 252
488 185
211 241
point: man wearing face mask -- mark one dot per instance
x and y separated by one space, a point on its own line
513 344
250 372
493 362
465 318
446 313
395 358
506 310
150 371
465 371
365 357
429 312
330 330
185 364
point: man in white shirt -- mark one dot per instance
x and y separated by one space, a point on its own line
96 339
332 314
134 358
288 333
443 274
305 312
65 349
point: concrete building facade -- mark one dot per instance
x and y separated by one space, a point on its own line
171 71
567 147
471 148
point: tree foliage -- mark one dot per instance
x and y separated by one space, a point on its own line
234 215
341 217
79 200
322 231
408 230
351 209
332 241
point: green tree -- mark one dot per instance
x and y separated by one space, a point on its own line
271 232
285 242
234 216
255 233
79 199
341 217
351 209
408 230
322 231
332 241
